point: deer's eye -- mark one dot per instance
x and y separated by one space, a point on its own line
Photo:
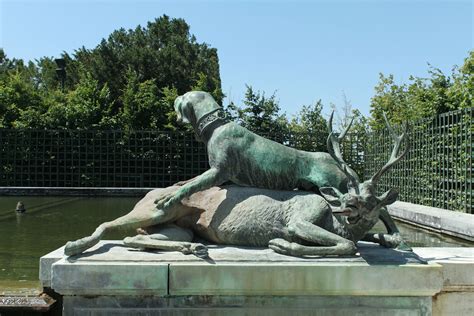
351 205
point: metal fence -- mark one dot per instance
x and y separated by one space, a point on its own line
74 158
437 170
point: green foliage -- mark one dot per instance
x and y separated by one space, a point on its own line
309 128
84 107
423 97
129 81
461 92
16 96
142 106
260 114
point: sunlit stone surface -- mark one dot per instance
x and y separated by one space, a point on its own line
236 280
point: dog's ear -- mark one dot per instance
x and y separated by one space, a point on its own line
179 107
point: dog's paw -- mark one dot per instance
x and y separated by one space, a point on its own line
164 201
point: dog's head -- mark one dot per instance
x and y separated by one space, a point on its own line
192 105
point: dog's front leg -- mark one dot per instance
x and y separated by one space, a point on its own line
205 181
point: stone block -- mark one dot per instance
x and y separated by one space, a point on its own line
304 279
45 265
457 263
248 305
456 224
453 303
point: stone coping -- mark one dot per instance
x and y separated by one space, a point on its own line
73 191
453 223
110 268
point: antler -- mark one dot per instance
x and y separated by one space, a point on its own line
396 147
334 150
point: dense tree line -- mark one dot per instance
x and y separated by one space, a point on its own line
423 97
130 80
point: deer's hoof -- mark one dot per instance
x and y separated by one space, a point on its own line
199 250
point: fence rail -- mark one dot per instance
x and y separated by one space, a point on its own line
437 170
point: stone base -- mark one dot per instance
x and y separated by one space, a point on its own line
247 305
111 279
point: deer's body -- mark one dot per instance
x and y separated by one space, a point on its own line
286 221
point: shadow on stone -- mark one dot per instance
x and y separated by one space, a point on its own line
377 255
103 248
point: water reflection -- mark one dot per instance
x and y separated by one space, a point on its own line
48 224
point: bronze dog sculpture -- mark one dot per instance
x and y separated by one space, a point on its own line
247 159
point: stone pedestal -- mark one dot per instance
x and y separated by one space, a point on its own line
111 279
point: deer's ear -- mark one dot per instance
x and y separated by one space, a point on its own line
389 197
332 195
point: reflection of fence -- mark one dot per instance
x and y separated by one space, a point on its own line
437 170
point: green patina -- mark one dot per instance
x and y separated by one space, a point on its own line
269 213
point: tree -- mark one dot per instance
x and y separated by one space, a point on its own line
423 97
260 114
164 52
16 96
163 57
142 107
308 129
461 92
85 107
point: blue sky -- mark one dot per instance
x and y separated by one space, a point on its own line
303 50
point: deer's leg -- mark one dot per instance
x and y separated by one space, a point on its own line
329 243
168 239
388 221
393 239
167 232
127 222
386 240
205 181
297 250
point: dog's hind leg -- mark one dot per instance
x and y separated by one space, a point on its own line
123 223
143 214
208 179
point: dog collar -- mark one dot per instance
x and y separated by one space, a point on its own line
207 119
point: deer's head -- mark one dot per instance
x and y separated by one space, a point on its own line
361 200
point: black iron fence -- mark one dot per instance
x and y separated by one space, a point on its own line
437 170
76 158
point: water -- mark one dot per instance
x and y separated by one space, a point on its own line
52 221
418 237
48 224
